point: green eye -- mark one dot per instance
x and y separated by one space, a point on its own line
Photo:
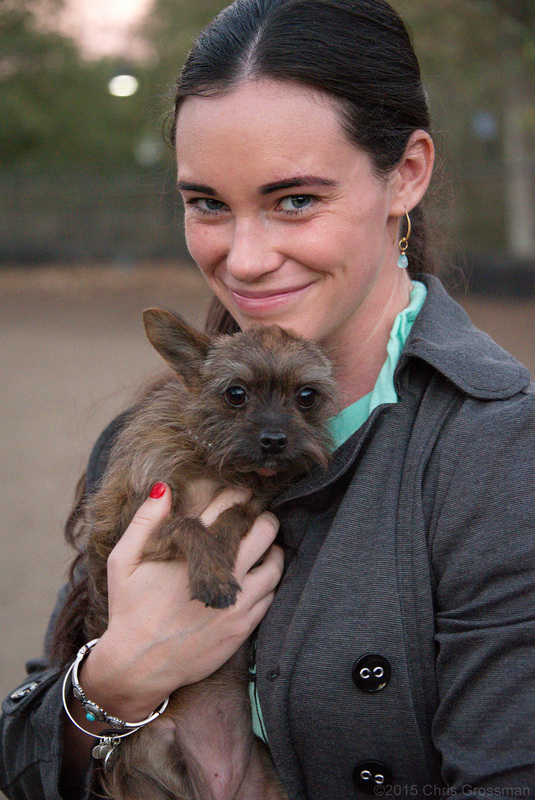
206 206
296 202
307 397
236 396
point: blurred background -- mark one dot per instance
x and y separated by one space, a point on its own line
91 230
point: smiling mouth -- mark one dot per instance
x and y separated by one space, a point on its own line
266 299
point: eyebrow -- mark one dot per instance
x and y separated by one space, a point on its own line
299 180
267 188
196 187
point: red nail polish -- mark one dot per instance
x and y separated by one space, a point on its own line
157 491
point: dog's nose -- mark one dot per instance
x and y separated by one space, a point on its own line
273 442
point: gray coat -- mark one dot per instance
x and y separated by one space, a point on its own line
398 658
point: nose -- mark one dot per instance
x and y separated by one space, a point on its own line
251 251
273 442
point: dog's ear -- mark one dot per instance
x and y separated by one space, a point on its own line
183 347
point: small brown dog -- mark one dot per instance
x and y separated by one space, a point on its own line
243 410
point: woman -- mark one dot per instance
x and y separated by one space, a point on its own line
396 657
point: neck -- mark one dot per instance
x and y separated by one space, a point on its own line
357 367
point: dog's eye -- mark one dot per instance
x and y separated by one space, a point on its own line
307 397
236 396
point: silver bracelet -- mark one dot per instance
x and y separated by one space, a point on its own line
109 740
93 712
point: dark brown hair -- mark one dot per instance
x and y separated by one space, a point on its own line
357 51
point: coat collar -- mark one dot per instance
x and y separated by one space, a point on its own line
444 337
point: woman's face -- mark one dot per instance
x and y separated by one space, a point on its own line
284 216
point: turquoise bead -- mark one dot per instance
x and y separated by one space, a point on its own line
90 717
403 261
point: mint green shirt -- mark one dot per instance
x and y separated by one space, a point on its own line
344 424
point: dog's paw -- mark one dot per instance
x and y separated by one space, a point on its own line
216 594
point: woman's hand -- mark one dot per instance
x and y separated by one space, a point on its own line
158 638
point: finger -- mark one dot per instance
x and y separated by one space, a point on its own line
263 579
256 543
261 583
272 562
268 572
127 551
259 611
225 499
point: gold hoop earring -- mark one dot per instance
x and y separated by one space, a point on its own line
403 261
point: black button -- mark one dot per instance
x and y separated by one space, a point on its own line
273 674
371 673
369 775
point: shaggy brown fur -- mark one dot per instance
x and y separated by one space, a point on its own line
242 410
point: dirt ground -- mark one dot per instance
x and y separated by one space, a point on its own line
73 352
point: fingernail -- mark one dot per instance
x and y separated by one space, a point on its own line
273 519
157 491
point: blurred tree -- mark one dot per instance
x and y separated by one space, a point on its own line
55 109
516 35
478 59
25 55
170 28
523 11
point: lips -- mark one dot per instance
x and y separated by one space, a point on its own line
265 300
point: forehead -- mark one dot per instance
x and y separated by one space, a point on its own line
262 124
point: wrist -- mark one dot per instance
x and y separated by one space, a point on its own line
104 680
116 729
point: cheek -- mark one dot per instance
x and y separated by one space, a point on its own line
204 245
314 243
331 244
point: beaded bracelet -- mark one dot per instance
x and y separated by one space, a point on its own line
109 740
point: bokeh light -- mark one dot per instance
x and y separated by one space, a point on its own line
123 86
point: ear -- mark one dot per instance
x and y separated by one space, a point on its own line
183 347
411 178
